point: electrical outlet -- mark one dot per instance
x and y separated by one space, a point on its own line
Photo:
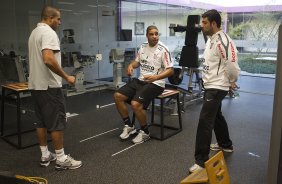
99 57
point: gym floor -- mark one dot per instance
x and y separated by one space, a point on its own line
93 137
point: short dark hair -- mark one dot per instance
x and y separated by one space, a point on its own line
48 11
213 15
150 27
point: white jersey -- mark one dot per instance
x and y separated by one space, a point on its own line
220 66
153 61
40 76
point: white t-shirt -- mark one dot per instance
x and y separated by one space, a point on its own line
153 61
40 76
220 65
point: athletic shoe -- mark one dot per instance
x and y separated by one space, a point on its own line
127 131
141 137
69 163
194 168
44 162
216 147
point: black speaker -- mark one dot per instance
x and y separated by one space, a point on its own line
189 56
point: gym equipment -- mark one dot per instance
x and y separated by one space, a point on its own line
189 56
189 59
74 60
117 57
13 69
177 76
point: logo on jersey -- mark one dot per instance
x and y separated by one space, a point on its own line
221 51
145 67
143 61
166 58
205 68
233 55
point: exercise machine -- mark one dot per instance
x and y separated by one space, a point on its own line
189 62
73 60
117 57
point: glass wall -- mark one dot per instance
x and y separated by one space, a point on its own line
254 29
18 21
256 35
163 16
88 33
93 28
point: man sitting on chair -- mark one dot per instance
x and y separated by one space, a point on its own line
155 64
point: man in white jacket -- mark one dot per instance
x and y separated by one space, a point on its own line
220 73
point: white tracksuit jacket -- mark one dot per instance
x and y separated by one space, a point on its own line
220 66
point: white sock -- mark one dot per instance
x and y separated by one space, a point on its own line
44 151
60 154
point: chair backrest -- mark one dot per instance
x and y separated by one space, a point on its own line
217 170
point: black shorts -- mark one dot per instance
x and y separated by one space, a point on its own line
49 106
140 91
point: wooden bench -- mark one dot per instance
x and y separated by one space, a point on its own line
17 89
168 93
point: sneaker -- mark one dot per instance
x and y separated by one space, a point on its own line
127 131
194 168
44 162
216 147
69 163
141 137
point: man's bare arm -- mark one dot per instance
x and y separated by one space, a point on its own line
52 64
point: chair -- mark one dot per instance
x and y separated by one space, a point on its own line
168 93
215 172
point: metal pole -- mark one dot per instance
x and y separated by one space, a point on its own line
274 175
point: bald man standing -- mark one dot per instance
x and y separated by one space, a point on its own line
45 83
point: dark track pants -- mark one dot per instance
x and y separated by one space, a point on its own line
211 118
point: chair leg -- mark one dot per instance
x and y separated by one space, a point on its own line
133 118
153 111
179 112
162 119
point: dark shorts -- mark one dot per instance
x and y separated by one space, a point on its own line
49 106
140 91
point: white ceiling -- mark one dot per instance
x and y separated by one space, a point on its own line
240 3
228 5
